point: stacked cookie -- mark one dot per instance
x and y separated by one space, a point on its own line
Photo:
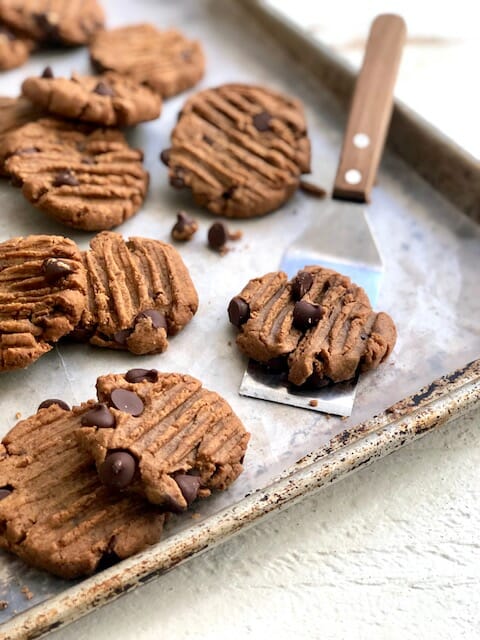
159 441
120 294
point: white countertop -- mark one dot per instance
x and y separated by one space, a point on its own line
394 550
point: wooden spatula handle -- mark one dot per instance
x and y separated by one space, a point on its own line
370 110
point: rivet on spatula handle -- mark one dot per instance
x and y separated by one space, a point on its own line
370 110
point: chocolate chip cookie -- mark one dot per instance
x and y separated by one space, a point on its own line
14 113
139 292
54 21
14 48
164 436
241 149
85 178
42 295
317 327
109 99
55 513
166 61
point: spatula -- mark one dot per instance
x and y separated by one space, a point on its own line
340 238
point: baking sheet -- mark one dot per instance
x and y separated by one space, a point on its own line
431 252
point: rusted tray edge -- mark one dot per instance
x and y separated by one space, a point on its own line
433 406
445 165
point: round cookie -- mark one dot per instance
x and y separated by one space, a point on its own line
84 178
71 22
14 113
317 328
163 436
110 99
166 61
42 296
139 292
14 49
241 149
55 514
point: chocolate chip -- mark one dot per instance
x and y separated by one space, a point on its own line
306 315
217 236
184 228
48 23
80 334
5 492
117 470
7 33
47 73
55 269
228 194
99 416
158 320
261 121
127 401
188 485
121 337
65 178
103 89
207 139
48 403
139 375
238 311
301 284
165 156
177 180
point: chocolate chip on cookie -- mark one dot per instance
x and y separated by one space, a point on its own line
241 149
87 179
139 292
55 512
110 100
54 21
42 296
319 325
165 61
183 442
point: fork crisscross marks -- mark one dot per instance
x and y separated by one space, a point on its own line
37 306
183 429
240 148
54 21
58 516
139 292
87 179
166 61
347 336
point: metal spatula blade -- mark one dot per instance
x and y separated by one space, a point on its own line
340 238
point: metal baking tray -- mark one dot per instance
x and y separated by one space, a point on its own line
425 212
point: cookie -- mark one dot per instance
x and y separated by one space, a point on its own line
318 327
42 296
14 48
54 21
55 514
166 61
110 99
163 436
139 292
14 113
85 178
241 149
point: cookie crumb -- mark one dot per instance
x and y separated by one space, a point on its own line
26 592
18 415
312 189
313 403
3 605
185 227
196 516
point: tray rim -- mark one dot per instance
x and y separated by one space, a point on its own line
430 408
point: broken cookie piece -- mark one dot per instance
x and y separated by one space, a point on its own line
169 439
317 328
